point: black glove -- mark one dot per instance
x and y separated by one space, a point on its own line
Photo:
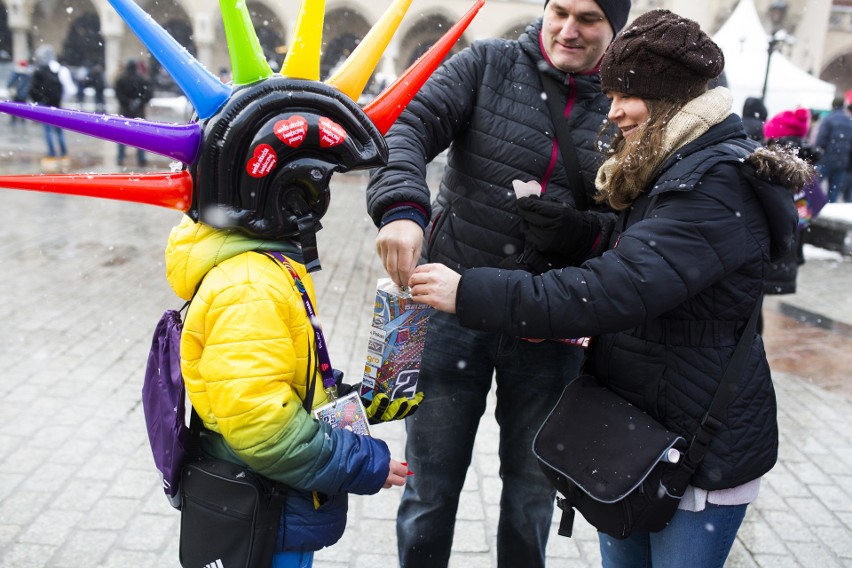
560 232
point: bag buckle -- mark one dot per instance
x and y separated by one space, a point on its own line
712 425
566 523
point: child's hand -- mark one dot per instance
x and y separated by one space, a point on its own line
397 475
381 409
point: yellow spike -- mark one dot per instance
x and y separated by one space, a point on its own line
353 74
303 54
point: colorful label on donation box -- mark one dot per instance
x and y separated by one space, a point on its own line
395 345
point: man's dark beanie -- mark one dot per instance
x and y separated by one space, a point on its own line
616 11
661 56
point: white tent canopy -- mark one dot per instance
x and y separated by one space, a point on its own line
744 43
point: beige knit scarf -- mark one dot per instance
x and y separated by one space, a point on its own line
693 120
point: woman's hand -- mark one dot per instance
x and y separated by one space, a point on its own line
435 285
397 475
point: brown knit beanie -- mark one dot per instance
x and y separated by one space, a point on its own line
661 56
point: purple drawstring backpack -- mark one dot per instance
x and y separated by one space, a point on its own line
163 395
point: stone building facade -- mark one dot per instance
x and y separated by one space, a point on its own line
86 32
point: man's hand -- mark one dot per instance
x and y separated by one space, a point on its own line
435 285
398 245
382 409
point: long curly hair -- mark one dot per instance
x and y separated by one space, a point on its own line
637 158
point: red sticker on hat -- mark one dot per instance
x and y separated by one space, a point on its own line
263 161
331 133
292 131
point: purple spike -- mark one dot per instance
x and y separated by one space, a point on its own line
203 89
179 141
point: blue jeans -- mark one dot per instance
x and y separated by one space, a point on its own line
49 132
697 540
836 179
140 155
456 375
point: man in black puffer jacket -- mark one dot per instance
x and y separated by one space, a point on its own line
486 105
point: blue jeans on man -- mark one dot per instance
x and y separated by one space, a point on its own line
141 160
51 132
456 374
696 539
835 176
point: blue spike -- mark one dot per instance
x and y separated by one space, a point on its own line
203 89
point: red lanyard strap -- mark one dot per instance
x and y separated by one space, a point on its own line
328 381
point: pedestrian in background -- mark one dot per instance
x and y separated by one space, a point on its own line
754 116
133 92
789 129
835 140
81 80
97 82
51 84
702 211
485 104
19 88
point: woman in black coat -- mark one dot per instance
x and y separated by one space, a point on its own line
702 212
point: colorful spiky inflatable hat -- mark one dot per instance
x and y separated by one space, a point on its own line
261 153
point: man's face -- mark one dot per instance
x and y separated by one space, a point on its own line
575 34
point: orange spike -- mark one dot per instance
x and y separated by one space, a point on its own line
353 74
389 104
171 190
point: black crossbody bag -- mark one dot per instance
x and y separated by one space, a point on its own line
229 515
621 469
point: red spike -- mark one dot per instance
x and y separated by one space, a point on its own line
171 190
389 104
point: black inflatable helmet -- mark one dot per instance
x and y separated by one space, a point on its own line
269 154
260 153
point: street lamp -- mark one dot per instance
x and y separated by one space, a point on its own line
777 12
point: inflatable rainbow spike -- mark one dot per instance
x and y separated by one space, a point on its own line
208 95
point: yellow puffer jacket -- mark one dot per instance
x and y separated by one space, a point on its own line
245 360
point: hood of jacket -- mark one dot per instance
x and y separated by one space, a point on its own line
775 173
194 248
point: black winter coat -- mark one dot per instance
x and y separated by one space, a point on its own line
46 87
133 92
668 302
486 105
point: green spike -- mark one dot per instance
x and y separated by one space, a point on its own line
248 63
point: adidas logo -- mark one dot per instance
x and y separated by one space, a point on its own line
217 564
